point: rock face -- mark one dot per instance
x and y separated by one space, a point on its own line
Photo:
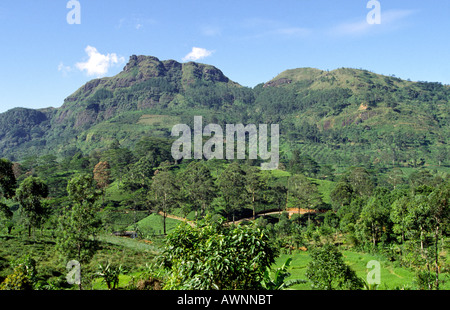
110 107
145 82
278 82
143 68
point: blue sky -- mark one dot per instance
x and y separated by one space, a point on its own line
44 58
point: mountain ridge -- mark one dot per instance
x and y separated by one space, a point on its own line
313 106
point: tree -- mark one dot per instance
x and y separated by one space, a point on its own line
349 214
29 196
341 195
255 186
361 181
439 220
410 216
231 184
304 192
420 177
157 150
395 177
198 185
330 222
119 160
276 196
164 193
303 164
442 155
102 174
79 224
79 162
141 172
6 216
211 255
328 271
374 219
399 216
7 191
7 179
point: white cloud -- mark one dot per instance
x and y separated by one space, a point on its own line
98 64
395 15
197 53
64 69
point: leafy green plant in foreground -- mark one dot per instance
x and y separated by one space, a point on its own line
216 256
278 281
110 274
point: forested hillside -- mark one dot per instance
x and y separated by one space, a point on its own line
342 117
364 167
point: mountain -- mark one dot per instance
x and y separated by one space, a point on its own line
356 117
146 83
341 117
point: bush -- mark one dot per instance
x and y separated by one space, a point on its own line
216 256
17 281
328 271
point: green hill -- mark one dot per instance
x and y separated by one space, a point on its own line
342 117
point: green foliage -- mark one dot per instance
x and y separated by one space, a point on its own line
214 256
23 276
110 275
29 196
342 195
79 223
374 222
7 179
231 184
346 116
82 189
383 139
279 280
18 280
198 186
164 193
304 192
327 270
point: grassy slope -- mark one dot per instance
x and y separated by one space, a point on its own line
392 277
153 224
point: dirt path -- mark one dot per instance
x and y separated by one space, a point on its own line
179 218
290 211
